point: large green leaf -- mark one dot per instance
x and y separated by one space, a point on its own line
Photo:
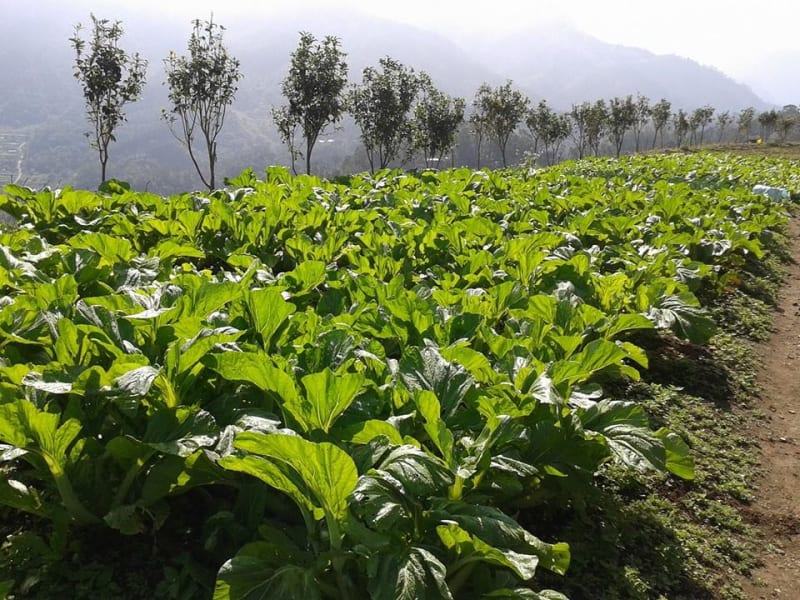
595 356
625 429
498 530
180 431
328 395
679 456
468 548
319 477
258 369
268 311
111 248
430 410
365 431
26 427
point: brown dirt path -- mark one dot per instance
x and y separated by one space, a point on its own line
776 509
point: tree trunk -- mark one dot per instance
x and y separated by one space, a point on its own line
212 158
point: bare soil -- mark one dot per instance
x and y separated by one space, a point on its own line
776 509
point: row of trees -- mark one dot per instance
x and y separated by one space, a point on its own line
202 85
399 112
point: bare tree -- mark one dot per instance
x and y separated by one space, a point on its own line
201 87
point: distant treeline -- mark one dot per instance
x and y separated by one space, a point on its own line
403 119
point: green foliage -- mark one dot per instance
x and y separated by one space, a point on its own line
110 78
334 388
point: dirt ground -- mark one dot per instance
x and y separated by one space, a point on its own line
776 509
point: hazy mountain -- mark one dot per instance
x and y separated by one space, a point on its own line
566 66
769 79
43 101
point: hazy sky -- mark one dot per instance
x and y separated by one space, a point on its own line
727 34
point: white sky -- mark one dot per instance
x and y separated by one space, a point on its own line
730 34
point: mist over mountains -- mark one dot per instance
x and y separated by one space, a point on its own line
42 100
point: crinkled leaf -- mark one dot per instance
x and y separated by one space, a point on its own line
408 574
180 431
17 495
425 369
420 473
684 317
255 574
173 475
193 350
127 519
525 594
625 428
40 382
137 382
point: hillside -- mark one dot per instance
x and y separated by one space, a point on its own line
567 66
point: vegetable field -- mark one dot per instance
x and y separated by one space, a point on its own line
352 388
